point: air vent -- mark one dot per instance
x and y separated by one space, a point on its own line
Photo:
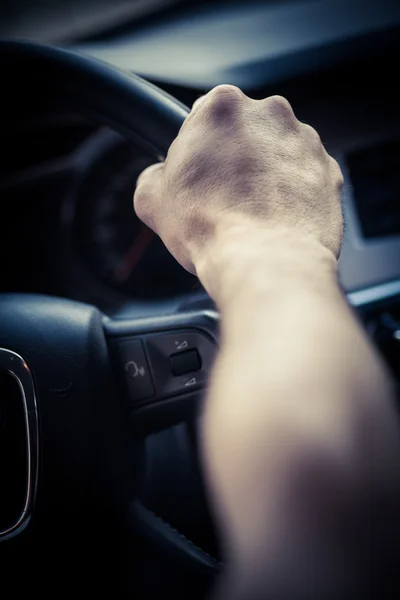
18 444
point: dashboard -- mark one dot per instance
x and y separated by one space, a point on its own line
106 244
67 184
68 228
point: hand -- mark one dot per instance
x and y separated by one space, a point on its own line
299 433
238 161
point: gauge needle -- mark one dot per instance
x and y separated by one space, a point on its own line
129 261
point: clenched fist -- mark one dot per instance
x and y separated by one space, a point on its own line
299 433
241 161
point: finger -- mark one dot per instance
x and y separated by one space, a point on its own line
198 102
149 172
337 173
280 111
148 194
195 107
314 140
224 95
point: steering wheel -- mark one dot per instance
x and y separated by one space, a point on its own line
91 388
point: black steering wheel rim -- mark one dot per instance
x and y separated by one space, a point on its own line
84 445
120 99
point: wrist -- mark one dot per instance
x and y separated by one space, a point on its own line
246 257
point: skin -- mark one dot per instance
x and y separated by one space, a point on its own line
300 435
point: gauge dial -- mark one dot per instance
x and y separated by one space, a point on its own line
118 249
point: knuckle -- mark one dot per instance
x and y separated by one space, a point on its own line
313 141
223 100
198 102
313 134
337 173
226 90
281 108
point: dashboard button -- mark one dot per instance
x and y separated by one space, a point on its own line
136 368
185 362
161 347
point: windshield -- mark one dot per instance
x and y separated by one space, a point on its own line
58 21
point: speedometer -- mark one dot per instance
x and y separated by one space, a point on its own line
117 249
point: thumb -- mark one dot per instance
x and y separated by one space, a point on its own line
148 194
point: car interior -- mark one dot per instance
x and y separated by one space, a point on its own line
106 342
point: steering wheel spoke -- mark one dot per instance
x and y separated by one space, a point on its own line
163 364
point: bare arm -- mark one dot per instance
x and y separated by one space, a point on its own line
300 436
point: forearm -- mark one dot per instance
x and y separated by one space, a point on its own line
300 438
288 338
